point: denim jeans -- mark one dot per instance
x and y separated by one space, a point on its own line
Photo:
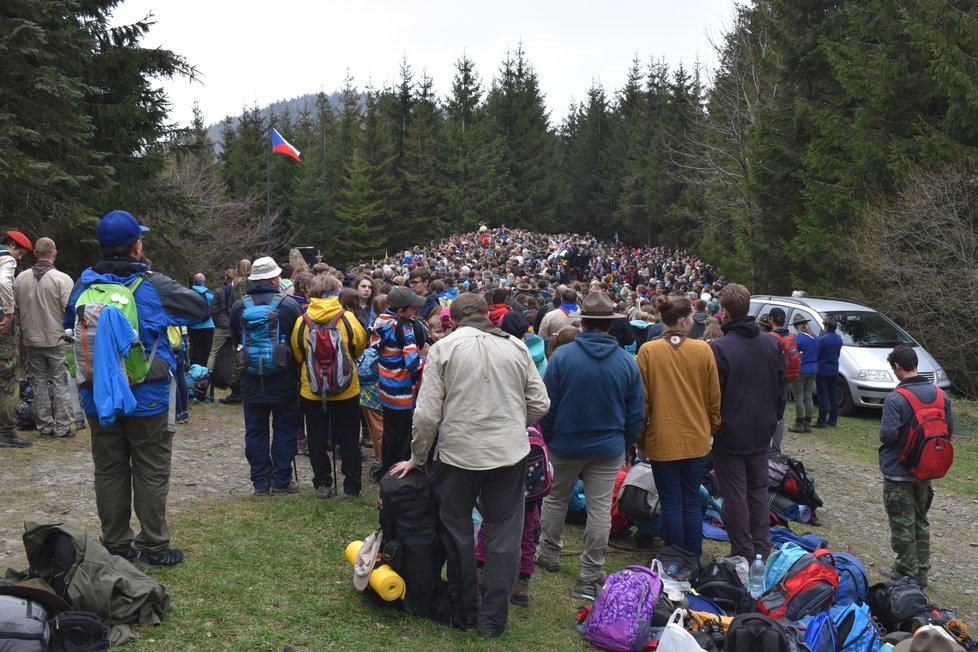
828 399
678 483
270 451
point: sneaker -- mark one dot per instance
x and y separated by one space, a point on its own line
129 554
183 417
13 441
521 593
165 559
547 565
324 492
291 488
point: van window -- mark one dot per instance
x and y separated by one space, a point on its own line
869 329
813 322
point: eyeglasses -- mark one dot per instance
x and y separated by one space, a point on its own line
415 281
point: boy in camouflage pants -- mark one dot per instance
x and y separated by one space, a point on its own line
906 498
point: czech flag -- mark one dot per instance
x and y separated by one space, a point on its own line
282 146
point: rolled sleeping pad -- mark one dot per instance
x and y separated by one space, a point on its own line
384 580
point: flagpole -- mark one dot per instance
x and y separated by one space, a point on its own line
268 197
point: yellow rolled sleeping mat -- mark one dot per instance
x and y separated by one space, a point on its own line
384 580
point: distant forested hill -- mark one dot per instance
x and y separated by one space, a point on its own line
294 106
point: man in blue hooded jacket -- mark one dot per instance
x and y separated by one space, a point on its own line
132 455
597 408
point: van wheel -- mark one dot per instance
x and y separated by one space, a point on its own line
846 407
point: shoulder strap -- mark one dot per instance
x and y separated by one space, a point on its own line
276 301
247 301
916 404
349 333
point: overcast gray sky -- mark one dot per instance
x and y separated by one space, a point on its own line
254 53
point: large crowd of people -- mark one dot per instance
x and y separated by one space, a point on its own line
439 357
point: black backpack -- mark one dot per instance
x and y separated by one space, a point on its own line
895 604
78 631
719 582
678 563
754 632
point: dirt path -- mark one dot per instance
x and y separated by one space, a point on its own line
53 480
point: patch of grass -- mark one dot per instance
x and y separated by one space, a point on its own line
857 437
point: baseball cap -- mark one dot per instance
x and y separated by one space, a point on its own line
119 228
402 297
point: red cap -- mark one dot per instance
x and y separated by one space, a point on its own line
21 239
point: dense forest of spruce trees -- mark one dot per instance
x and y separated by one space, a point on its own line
786 166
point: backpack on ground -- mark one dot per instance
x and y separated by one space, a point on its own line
856 630
792 359
263 348
807 588
638 496
539 470
754 632
787 476
139 365
411 545
329 364
622 614
853 581
779 561
821 633
720 582
78 631
23 625
678 563
895 604
198 380
928 452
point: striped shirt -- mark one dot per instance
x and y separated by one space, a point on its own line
399 366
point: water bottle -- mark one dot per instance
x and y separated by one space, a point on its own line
755 579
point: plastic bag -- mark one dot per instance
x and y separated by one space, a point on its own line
677 639
673 589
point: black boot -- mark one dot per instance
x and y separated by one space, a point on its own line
798 427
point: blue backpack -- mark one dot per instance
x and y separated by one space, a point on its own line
853 581
260 337
857 630
779 562
821 633
621 618
367 366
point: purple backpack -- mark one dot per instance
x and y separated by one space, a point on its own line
621 618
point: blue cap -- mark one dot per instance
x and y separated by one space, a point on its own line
119 228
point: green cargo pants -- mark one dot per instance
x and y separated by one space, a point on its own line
132 473
8 383
906 506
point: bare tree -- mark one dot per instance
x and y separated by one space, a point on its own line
916 258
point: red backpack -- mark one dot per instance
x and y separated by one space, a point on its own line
928 452
807 588
792 359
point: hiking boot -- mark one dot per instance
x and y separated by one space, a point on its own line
230 400
68 434
291 488
521 593
588 589
376 471
165 559
819 424
13 441
302 448
351 495
324 492
892 574
808 425
129 554
261 491
547 565
798 427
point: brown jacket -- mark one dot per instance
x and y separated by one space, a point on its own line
41 306
682 399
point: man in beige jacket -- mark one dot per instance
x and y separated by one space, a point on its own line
481 389
41 293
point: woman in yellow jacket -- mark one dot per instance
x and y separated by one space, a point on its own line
339 416
682 404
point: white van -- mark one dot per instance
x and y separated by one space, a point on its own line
868 337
